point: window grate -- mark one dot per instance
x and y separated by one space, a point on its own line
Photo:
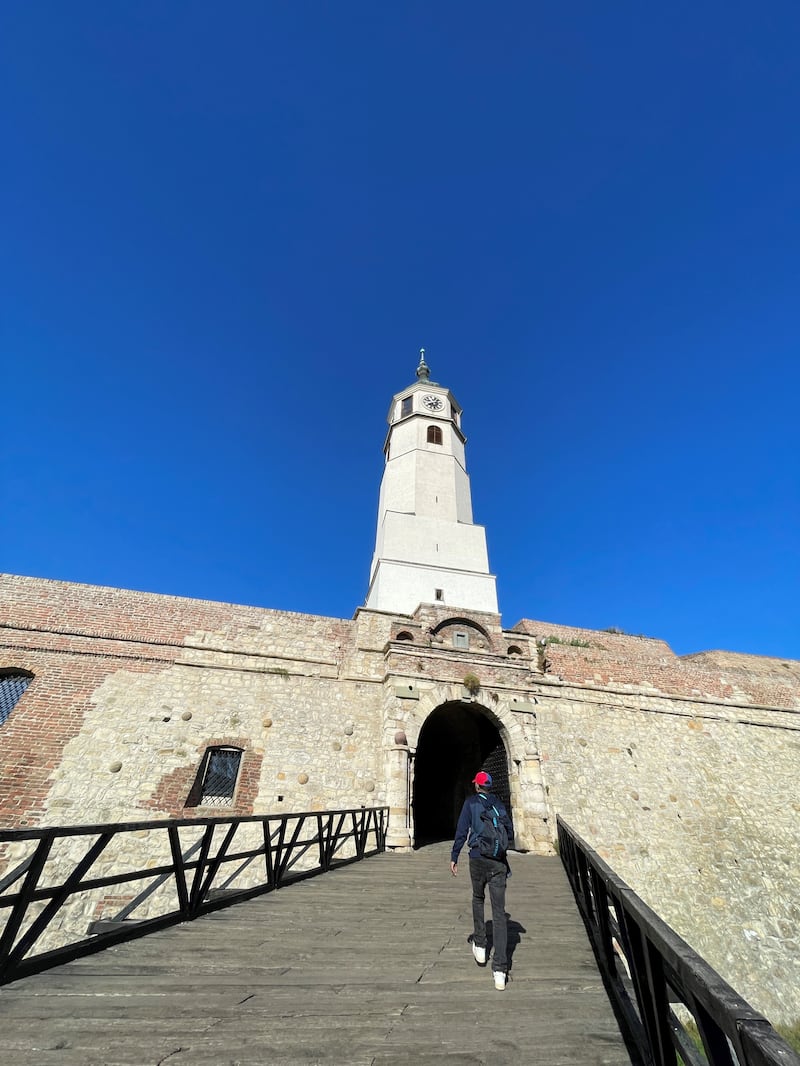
11 688
496 764
219 781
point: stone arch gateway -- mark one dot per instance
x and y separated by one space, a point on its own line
456 740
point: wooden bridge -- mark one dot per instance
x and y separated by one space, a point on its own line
288 939
366 965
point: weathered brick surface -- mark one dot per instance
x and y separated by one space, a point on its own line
51 713
149 682
682 771
600 658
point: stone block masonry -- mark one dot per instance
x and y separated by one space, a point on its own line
682 772
130 689
697 807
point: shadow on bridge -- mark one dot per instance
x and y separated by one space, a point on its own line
367 965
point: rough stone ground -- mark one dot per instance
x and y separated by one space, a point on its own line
366 966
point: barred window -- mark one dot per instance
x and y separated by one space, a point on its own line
215 783
12 684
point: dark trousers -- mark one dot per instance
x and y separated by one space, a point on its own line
485 872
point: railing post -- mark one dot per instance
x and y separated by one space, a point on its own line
360 836
279 868
268 863
323 853
277 861
194 894
329 841
72 884
714 1040
17 915
600 895
180 871
215 864
659 1006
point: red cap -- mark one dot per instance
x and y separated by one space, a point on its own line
482 779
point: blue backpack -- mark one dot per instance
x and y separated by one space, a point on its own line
490 833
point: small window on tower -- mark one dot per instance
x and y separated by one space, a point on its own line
434 435
405 407
439 594
460 640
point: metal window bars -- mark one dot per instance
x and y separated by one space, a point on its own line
219 779
11 688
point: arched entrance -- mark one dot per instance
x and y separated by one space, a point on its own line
455 742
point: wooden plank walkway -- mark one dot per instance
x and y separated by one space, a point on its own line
365 966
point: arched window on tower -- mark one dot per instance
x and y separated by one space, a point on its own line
434 435
12 684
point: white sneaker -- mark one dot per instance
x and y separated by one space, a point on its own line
499 980
479 953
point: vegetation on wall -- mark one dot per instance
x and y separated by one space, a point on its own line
472 683
576 642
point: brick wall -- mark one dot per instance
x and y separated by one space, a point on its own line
682 771
593 657
130 689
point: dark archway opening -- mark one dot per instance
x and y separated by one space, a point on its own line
455 742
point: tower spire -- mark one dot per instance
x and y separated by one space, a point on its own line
423 370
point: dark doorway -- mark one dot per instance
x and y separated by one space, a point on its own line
455 742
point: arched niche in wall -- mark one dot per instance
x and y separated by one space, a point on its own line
462 633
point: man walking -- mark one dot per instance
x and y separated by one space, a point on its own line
485 870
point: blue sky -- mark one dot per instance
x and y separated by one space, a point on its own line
229 228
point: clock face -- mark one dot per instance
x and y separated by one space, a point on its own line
433 403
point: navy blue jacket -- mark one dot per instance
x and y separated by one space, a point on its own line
468 819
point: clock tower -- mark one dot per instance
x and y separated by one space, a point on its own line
427 549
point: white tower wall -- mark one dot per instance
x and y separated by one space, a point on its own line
427 548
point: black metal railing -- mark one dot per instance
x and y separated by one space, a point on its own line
650 971
69 891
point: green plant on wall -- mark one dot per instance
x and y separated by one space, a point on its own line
575 642
472 683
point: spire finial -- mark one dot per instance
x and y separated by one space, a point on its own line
423 370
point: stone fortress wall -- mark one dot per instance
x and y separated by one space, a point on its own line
131 688
680 771
683 774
